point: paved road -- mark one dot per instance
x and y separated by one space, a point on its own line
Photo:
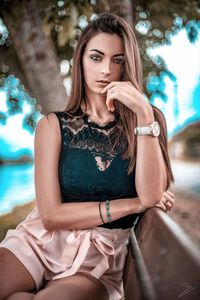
187 176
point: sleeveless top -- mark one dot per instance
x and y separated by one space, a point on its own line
89 168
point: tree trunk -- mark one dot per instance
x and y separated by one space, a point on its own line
37 55
9 59
122 8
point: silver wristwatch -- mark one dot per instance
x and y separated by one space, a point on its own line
153 129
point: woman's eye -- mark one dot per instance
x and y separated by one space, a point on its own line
95 57
119 61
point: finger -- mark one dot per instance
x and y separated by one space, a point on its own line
109 86
161 205
170 193
168 204
110 100
158 205
164 204
167 192
110 105
169 198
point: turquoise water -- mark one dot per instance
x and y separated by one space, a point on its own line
16 185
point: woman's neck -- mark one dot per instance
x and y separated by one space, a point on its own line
96 108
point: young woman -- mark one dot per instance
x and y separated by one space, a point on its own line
98 165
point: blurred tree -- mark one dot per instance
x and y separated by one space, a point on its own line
36 53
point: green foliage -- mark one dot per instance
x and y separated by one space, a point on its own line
16 96
61 21
30 121
3 118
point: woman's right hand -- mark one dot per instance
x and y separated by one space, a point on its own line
167 201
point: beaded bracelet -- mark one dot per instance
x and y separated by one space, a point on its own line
101 213
108 214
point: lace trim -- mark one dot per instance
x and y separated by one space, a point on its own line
100 145
96 147
100 123
75 125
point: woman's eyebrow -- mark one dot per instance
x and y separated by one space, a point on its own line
119 54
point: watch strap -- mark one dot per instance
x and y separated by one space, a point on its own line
152 129
143 130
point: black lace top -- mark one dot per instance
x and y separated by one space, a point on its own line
89 168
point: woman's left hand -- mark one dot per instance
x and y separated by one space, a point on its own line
126 93
167 201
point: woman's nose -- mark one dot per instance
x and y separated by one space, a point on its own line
105 67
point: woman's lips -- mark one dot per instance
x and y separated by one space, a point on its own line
103 83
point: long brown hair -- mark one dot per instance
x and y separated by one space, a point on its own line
110 23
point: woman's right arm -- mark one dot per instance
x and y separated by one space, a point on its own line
54 213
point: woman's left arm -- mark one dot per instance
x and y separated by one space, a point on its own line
151 177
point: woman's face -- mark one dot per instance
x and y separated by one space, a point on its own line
103 60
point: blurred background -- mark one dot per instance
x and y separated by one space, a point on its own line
37 40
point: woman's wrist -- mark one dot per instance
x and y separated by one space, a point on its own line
144 113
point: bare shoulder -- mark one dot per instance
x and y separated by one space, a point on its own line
48 127
48 123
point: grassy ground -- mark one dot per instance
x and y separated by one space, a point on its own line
186 213
11 220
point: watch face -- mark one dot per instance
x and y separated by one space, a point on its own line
156 129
